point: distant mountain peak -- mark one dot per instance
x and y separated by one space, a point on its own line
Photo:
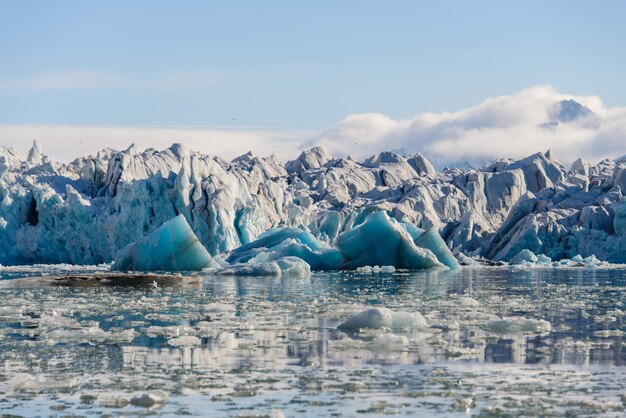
570 110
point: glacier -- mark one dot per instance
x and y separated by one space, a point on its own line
330 212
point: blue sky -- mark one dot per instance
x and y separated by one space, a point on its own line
294 66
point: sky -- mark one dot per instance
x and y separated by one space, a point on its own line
274 76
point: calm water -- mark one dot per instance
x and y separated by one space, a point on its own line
232 346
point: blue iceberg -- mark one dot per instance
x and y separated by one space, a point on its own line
413 230
288 242
171 247
272 238
380 240
431 240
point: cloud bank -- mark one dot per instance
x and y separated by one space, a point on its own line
64 143
510 126
513 126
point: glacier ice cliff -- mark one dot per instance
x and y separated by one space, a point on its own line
85 211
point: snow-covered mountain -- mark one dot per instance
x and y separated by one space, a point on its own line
87 210
570 111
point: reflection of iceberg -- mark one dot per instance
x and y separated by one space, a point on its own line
171 247
519 326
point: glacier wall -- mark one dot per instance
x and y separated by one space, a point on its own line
85 211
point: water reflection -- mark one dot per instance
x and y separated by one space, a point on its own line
272 333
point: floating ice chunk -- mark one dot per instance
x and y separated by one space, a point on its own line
184 341
379 317
322 259
524 256
383 241
408 321
608 333
272 238
109 400
250 269
150 399
432 241
467 301
168 331
93 335
376 269
593 261
387 269
519 326
579 261
370 318
171 247
26 383
294 267
480 316
288 242
543 259
284 266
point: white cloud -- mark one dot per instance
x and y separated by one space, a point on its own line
505 126
64 143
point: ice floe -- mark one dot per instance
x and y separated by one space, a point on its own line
377 318
518 326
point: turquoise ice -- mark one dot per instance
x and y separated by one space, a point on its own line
431 240
378 240
288 242
381 240
171 247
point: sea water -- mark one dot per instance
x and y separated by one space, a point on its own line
253 347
